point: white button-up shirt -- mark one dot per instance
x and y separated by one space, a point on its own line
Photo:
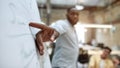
66 48
17 47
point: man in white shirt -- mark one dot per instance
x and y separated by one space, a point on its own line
17 46
66 48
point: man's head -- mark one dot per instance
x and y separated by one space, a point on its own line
106 52
72 16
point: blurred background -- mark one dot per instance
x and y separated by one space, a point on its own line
99 23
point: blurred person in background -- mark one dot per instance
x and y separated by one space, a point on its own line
66 48
101 61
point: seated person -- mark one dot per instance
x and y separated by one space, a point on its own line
101 61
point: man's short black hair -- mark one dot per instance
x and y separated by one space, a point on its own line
68 9
107 48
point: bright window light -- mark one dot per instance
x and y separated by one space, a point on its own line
96 26
79 7
80 33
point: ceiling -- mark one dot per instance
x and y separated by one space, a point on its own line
67 3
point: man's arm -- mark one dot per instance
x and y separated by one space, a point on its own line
39 26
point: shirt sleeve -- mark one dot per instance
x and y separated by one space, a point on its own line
59 26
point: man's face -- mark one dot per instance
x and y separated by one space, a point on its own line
106 53
73 16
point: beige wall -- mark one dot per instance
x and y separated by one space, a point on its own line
56 14
107 36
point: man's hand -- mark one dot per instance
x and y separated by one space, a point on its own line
39 43
46 32
42 36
